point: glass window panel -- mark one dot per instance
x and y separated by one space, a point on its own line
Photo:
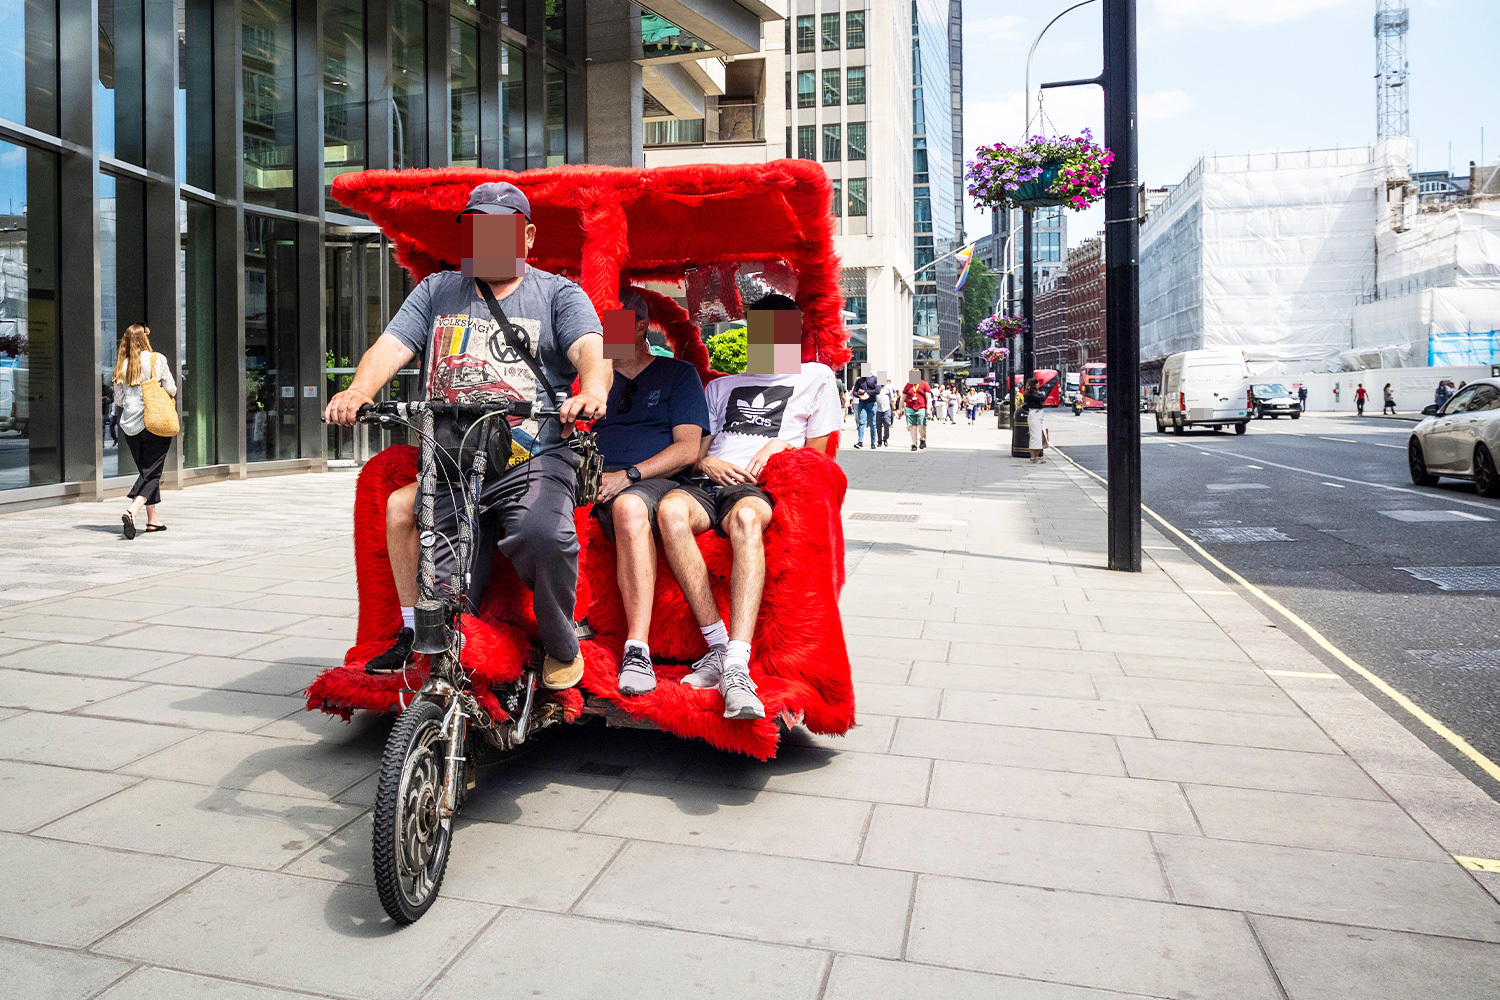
833 143
557 24
512 108
856 140
857 196
270 339
121 87
195 93
789 89
463 92
806 148
805 37
270 72
857 305
673 130
28 36
408 83
854 29
557 116
807 89
661 38
30 375
838 197
855 85
830 87
199 356
830 32
344 85
122 289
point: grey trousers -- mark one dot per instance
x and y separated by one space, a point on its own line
527 513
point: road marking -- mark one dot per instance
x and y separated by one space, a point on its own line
1340 440
1478 864
1422 715
1337 486
1301 673
1471 517
1258 468
1361 482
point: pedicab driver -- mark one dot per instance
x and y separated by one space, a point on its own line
788 404
529 505
656 421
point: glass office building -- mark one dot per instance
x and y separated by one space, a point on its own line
936 305
170 164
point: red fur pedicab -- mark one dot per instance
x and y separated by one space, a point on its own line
698 227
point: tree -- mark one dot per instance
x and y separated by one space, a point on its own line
728 351
979 300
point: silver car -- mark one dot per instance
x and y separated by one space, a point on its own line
1460 439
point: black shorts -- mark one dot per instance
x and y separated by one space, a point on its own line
650 491
718 501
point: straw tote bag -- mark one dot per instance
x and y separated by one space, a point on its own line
161 409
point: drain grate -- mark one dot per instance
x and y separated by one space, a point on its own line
1463 659
604 770
1457 577
874 515
1238 535
1424 516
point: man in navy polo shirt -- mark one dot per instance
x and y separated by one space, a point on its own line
655 420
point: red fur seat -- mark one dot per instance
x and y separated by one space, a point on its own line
799 660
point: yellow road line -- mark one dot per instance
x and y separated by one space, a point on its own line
1478 864
1422 715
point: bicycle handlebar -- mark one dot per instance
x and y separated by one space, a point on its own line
394 412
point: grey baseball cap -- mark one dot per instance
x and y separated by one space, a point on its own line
631 299
497 198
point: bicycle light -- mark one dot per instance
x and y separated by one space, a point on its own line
430 634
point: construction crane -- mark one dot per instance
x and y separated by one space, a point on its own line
1392 96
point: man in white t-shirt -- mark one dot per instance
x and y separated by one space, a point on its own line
751 418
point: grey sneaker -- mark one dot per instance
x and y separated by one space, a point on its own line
636 673
709 668
740 701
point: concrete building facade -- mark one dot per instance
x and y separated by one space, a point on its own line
1085 306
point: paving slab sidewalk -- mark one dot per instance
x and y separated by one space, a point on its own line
1065 784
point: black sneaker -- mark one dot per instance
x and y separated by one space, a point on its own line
393 660
924 442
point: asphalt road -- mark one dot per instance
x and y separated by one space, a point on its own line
1337 519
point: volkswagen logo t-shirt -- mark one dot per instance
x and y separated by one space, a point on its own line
746 411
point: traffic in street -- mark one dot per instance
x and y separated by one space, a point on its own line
1323 515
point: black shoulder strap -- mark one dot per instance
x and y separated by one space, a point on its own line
516 340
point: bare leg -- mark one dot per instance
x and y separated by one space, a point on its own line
912 428
635 563
151 517
401 542
746 526
679 519
134 508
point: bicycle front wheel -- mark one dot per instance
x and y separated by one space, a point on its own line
411 841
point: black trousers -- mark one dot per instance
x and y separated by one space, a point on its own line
150 454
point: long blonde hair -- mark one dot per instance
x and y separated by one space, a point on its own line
128 362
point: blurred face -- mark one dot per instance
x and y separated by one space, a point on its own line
622 331
498 246
913 376
774 342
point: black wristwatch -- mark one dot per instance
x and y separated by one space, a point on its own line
633 474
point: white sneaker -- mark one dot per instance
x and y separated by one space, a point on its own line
708 670
740 701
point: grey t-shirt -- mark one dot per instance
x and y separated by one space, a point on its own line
446 321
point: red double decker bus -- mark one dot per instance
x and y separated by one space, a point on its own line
1092 383
1050 383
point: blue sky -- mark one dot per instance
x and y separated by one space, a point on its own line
1235 76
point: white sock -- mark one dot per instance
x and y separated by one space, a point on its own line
738 657
638 644
409 618
715 635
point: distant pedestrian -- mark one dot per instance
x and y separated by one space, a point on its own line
1302 396
136 367
1441 396
1360 395
1390 401
865 411
1036 430
885 401
916 399
953 406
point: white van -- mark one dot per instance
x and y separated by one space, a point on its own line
1209 388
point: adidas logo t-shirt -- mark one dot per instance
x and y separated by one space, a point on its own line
746 411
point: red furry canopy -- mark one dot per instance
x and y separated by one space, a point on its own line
603 224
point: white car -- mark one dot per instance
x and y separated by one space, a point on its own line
1460 440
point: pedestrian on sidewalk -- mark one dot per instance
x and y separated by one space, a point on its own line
1441 395
1360 395
1036 429
885 412
1390 402
135 365
953 406
916 400
1302 396
865 390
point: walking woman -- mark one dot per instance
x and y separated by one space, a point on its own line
137 363
1390 401
1036 430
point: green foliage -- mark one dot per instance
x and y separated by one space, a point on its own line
979 297
728 351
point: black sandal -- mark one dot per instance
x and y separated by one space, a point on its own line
156 527
127 525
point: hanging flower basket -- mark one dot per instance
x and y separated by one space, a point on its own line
1065 170
1002 327
995 353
